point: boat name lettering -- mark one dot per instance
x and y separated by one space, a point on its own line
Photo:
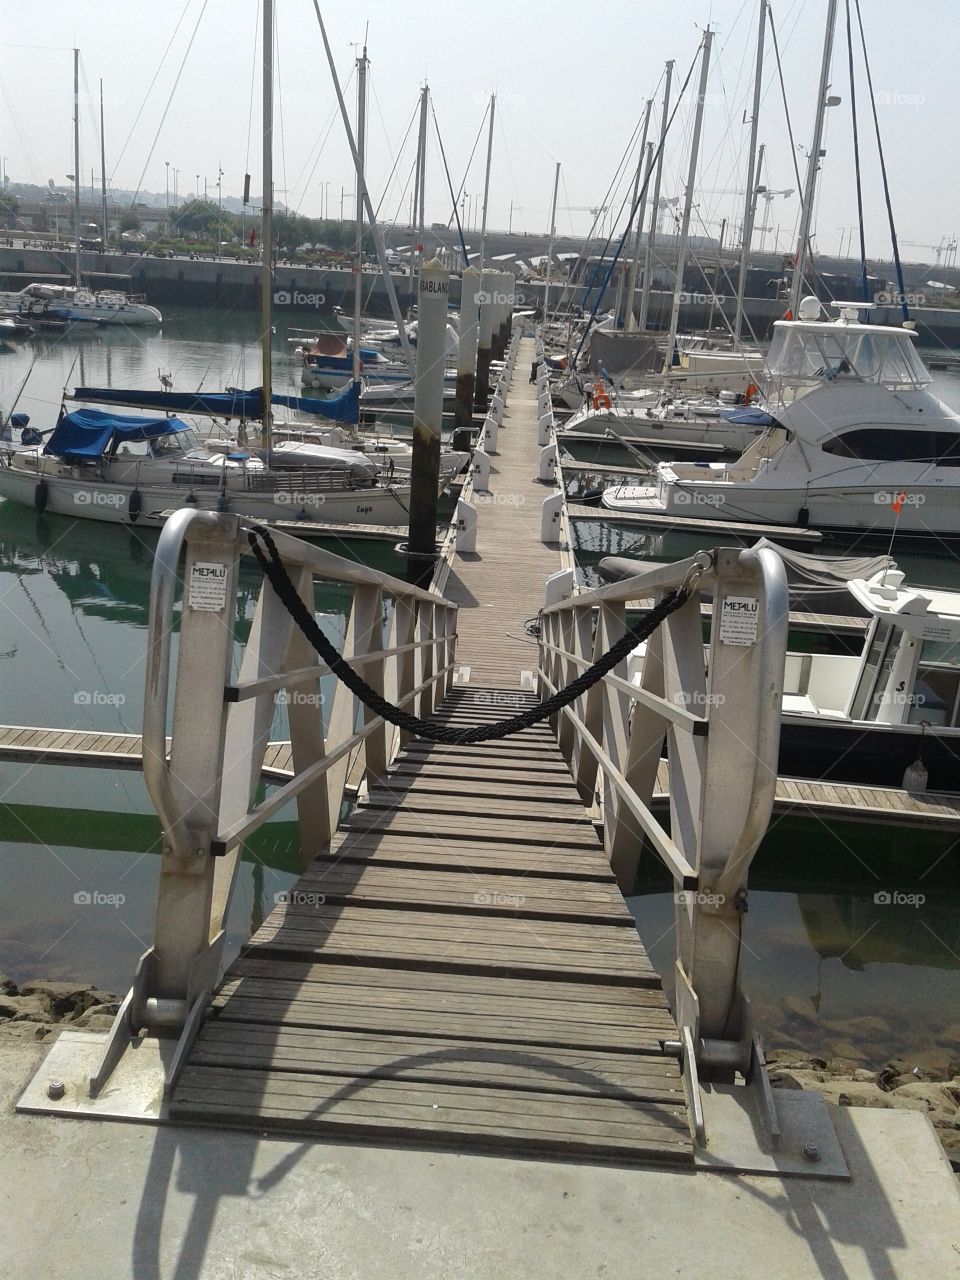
739 616
208 586
433 286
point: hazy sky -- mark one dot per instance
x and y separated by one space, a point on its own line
571 79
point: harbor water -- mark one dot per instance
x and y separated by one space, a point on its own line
852 935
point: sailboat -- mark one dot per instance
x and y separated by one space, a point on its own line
43 303
99 464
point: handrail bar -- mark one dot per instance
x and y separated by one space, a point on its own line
663 577
694 724
683 870
289 790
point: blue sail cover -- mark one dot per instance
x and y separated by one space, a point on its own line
232 403
343 407
87 433
747 417
217 404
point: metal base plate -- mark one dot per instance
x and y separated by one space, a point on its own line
133 1092
737 1140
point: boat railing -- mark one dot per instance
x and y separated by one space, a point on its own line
713 710
204 783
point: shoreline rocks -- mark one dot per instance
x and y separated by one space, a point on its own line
920 1085
35 1009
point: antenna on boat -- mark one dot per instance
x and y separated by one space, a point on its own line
897 506
266 225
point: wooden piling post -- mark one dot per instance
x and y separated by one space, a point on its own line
427 419
467 357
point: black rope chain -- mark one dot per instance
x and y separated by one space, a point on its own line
433 730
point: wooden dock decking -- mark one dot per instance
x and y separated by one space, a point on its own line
890 805
460 970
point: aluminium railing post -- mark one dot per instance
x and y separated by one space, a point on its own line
426 615
562 670
305 707
185 891
370 632
404 665
739 774
585 769
364 622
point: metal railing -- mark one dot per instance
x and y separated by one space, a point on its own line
204 790
715 710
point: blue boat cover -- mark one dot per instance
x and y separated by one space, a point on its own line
232 403
87 433
747 417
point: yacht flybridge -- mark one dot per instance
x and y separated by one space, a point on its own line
853 440
128 469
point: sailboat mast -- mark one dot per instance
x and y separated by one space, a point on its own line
76 160
688 199
643 160
486 180
103 172
553 232
358 250
266 227
813 161
655 211
750 204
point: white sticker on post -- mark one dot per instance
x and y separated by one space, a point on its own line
739 617
208 586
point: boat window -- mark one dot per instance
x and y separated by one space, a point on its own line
167 446
888 444
824 352
934 696
879 656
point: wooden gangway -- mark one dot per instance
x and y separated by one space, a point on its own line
460 968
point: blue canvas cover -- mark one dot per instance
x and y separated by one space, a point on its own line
87 433
232 403
747 417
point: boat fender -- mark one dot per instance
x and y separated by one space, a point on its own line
190 500
135 505
40 495
803 517
223 502
915 777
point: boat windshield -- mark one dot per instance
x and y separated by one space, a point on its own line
816 353
174 444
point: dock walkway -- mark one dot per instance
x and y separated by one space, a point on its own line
460 967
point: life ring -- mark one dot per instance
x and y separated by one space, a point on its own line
601 400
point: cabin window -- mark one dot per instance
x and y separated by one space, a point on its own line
879 444
879 660
934 700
